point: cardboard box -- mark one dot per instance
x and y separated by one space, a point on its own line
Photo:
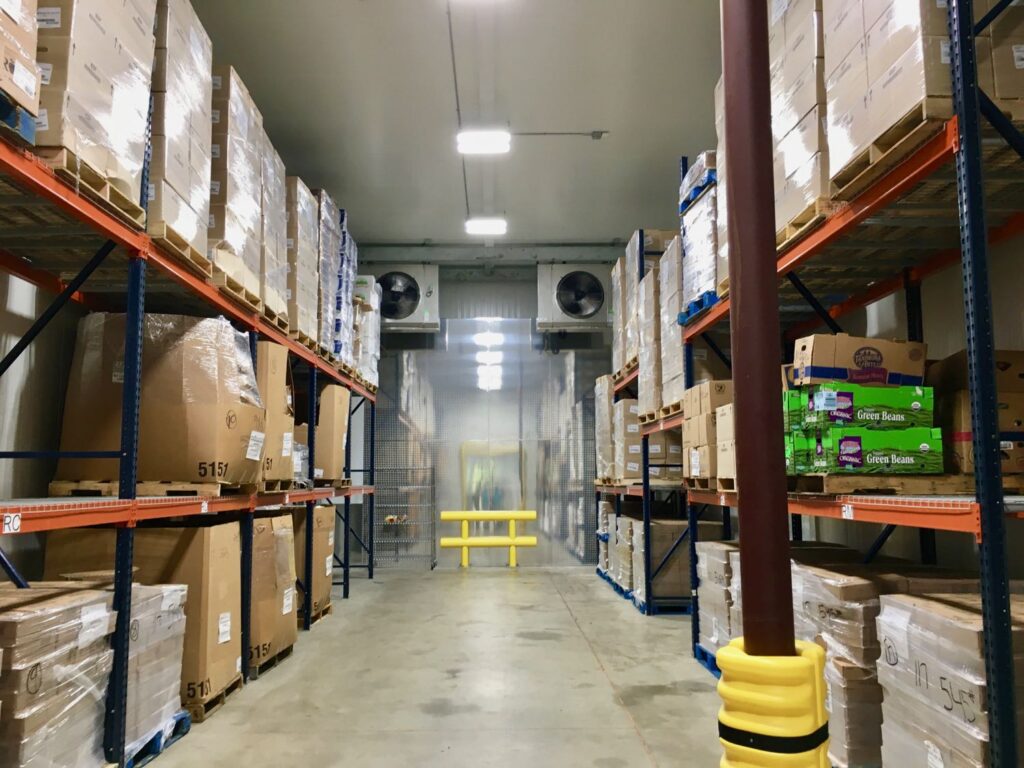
200 416
323 556
272 374
705 431
951 373
889 452
302 242
673 580
725 424
725 462
954 416
273 231
714 394
846 404
273 625
205 560
604 399
826 357
20 77
849 127
703 459
844 30
331 433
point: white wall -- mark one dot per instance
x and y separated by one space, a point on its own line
31 400
942 299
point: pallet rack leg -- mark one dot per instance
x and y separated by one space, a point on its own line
245 531
347 516
117 691
981 363
368 499
646 465
307 569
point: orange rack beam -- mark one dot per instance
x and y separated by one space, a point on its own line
630 377
37 515
662 425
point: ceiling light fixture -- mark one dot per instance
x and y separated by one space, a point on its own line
484 142
486 226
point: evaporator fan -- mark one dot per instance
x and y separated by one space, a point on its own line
400 295
579 295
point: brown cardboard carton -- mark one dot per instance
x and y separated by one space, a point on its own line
951 374
19 77
703 459
302 245
725 424
272 380
323 556
726 460
706 431
713 394
843 23
200 416
840 357
673 580
331 433
953 414
674 453
849 127
205 560
274 605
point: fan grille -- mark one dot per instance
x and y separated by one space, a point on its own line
400 295
579 295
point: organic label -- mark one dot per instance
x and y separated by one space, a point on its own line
255 447
224 628
288 601
48 18
286 444
94 620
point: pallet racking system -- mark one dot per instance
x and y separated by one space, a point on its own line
59 239
888 238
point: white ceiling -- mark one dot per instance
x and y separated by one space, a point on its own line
357 96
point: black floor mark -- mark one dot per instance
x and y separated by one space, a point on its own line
632 695
542 635
610 762
451 674
446 708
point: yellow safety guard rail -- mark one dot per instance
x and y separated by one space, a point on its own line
512 541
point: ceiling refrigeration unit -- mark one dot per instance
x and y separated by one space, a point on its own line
408 299
573 297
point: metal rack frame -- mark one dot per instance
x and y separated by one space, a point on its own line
959 143
29 183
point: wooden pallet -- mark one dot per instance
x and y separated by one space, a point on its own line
304 340
804 223
255 670
235 290
180 248
904 485
701 483
726 484
63 488
892 147
88 181
323 613
274 486
647 418
201 711
670 410
631 365
277 319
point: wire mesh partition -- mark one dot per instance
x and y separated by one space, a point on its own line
406 517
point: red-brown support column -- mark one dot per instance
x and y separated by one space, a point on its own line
756 336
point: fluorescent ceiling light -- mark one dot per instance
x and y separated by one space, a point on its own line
484 142
486 226
488 339
488 377
490 357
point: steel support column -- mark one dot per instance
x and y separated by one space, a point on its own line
307 566
12 573
346 570
981 363
117 690
368 499
246 524
756 333
645 457
812 300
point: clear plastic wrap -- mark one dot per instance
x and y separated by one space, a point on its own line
347 346
697 174
618 310
329 227
236 181
179 173
700 246
626 440
95 102
273 228
637 572
670 304
201 418
649 322
303 258
603 420
54 680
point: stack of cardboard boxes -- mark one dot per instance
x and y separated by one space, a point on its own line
626 289
272 374
626 439
619 307
329 249
725 433
670 304
699 230
886 58
950 379
98 58
367 327
605 525
700 436
331 433
722 186
796 50
56 665
323 519
673 580
344 345
649 321
235 226
179 173
715 592
881 426
273 232
303 245
20 78
620 551
932 672
604 445
272 627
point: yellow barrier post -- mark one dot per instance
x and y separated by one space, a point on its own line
513 541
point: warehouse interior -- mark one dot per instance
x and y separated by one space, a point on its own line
379 382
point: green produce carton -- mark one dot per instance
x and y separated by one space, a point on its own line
841 404
806 453
853 450
793 408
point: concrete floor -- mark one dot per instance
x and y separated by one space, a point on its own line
539 667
